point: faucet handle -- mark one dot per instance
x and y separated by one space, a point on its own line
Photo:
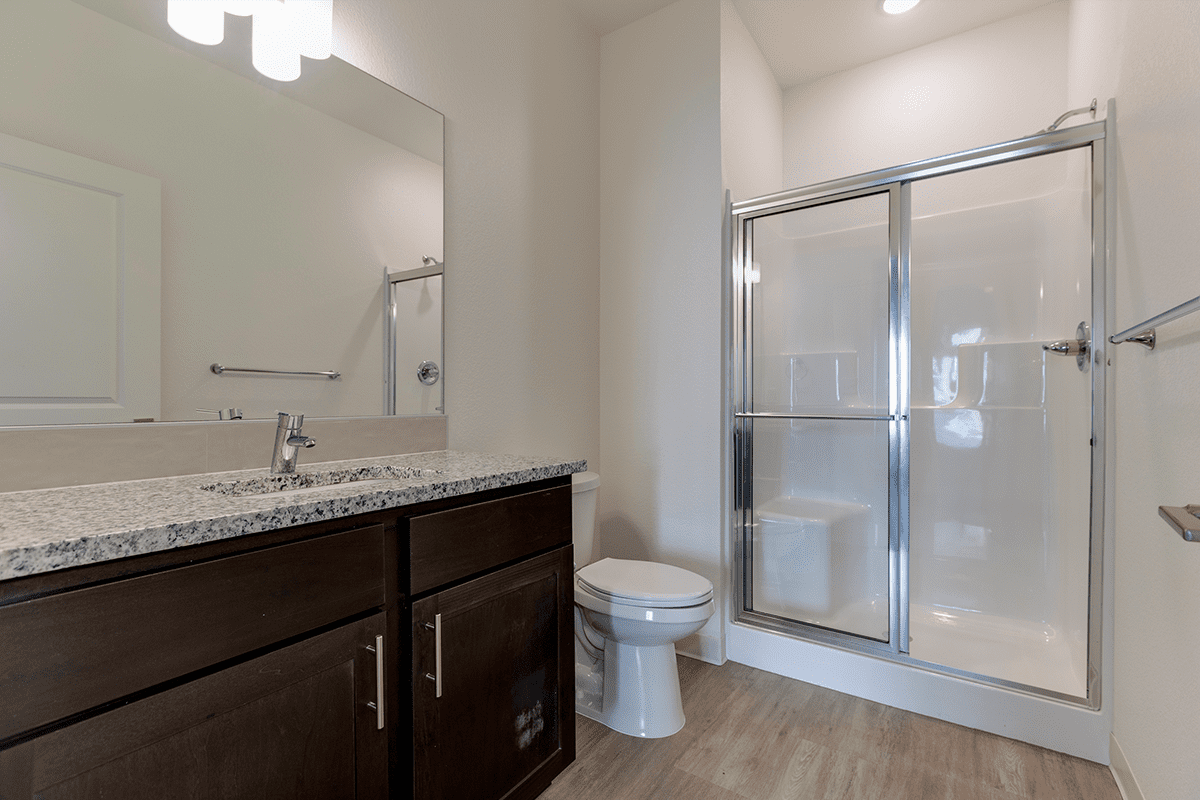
223 413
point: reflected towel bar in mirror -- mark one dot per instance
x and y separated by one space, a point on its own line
1183 520
218 369
1144 333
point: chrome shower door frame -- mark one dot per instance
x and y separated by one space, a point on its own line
390 377
896 182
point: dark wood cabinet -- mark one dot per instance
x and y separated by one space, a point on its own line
70 651
241 676
498 649
493 664
292 723
257 666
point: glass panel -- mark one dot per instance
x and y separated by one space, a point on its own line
820 331
1000 429
820 311
418 305
819 545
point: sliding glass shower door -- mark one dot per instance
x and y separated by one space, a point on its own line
819 329
1000 426
919 378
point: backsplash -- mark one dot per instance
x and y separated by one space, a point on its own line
75 455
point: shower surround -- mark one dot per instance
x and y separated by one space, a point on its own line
919 471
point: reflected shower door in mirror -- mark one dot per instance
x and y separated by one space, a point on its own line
280 206
820 329
415 372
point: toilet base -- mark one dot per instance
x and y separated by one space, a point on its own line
641 691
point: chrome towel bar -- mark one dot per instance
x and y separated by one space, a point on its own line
772 415
1144 333
218 369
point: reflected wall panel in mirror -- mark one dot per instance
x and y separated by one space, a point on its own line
278 219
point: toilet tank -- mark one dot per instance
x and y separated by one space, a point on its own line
583 515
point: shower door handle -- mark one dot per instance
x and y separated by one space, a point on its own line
1067 347
1079 347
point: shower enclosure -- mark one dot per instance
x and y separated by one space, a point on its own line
918 422
413 338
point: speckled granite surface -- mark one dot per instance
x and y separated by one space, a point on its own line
50 529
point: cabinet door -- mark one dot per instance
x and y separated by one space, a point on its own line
293 723
503 725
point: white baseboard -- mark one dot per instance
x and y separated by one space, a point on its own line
1123 775
701 647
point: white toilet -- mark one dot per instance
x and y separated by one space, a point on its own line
628 616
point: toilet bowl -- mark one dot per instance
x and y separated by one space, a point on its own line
629 614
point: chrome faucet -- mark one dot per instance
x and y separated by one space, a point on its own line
288 440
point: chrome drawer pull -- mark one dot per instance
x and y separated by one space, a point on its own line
377 705
436 676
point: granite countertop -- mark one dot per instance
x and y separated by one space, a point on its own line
48 529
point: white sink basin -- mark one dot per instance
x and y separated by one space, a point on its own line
305 482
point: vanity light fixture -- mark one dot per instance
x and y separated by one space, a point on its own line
281 31
899 6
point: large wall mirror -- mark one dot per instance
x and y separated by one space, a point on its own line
164 209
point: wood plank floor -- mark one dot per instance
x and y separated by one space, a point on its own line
752 735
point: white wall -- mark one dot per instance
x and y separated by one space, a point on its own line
660 297
995 83
1144 52
751 113
518 83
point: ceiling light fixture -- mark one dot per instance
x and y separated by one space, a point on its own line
899 6
281 31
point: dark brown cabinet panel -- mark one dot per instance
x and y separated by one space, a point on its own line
247 668
450 545
499 650
293 723
72 651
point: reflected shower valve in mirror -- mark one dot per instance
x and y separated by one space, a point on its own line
428 373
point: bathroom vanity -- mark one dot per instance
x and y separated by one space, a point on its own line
405 637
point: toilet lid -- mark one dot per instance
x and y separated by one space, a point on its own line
644 583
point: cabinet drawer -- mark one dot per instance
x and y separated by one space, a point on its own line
450 545
69 652
291 724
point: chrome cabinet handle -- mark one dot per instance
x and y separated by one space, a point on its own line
436 677
377 705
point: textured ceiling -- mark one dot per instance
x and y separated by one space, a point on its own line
803 40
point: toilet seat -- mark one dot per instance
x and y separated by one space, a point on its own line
644 584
